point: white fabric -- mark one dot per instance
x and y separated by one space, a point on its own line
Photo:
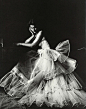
56 89
52 80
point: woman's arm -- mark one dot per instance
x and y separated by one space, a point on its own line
24 44
38 36
29 39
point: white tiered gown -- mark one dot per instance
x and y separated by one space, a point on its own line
57 85
52 81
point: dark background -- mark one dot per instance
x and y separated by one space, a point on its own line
59 20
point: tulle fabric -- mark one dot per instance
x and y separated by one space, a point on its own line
14 81
60 94
9 102
47 78
59 87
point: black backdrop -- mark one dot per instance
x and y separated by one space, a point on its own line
59 20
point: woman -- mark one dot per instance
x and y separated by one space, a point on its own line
52 80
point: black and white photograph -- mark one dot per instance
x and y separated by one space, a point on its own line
42 54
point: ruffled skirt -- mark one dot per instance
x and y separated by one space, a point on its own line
63 90
49 82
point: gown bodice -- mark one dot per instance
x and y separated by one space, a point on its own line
44 44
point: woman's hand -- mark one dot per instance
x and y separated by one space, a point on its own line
19 44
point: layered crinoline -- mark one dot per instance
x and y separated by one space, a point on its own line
50 80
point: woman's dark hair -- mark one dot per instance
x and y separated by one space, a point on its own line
31 22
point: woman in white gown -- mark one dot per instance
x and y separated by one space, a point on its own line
52 81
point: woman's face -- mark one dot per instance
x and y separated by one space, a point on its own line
32 29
